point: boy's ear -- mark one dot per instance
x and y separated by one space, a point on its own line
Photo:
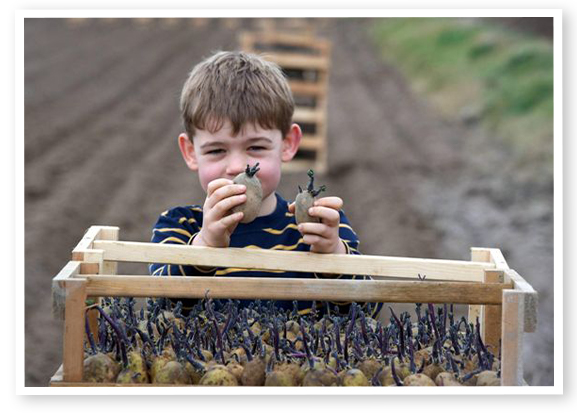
291 142
187 150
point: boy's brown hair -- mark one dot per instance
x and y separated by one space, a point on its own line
239 87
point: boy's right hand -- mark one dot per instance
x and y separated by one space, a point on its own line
218 221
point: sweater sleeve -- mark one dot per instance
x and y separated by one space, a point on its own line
178 226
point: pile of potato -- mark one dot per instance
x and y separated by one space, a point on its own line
261 345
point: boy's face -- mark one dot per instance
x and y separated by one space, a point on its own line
222 155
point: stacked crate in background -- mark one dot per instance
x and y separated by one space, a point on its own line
305 59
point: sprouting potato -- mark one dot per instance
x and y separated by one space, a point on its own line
162 346
369 367
432 370
193 374
160 361
100 368
446 379
236 369
253 373
292 369
251 206
321 377
305 200
279 378
136 371
418 379
293 327
218 376
488 378
172 372
353 377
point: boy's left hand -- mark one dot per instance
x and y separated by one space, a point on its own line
323 237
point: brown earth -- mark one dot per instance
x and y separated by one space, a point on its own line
101 121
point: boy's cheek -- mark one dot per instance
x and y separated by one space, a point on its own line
269 177
206 174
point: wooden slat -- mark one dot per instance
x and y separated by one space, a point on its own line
307 88
402 267
297 61
300 165
74 330
305 115
480 254
294 289
512 338
530 302
491 330
498 258
250 40
71 269
307 40
93 233
476 311
491 255
316 57
310 142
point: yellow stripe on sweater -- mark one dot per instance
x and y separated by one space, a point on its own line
177 230
280 231
173 239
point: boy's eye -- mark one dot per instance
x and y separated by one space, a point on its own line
215 151
256 148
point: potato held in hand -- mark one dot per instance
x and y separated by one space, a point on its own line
305 200
251 207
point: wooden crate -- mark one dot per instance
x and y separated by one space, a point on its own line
503 301
305 59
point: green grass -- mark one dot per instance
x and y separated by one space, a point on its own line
505 77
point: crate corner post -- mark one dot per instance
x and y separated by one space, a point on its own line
74 330
512 330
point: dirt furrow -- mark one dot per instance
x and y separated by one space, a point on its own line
40 36
98 55
66 121
74 46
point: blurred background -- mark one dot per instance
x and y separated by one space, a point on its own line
438 135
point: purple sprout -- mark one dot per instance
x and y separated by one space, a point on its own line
89 335
401 334
395 376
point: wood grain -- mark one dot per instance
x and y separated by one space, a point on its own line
295 289
371 265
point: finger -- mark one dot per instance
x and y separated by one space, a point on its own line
291 207
216 184
311 239
332 202
231 221
225 192
318 229
222 208
318 244
328 216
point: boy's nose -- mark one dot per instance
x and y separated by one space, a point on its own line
236 166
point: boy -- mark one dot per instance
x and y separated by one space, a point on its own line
237 110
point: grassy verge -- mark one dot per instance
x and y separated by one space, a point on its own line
473 69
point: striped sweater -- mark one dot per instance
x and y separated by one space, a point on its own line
277 231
